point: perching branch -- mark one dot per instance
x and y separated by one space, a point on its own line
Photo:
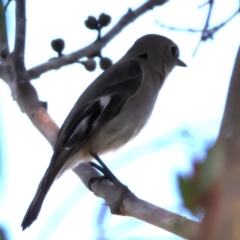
125 203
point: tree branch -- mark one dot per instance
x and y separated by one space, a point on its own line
23 92
206 24
96 46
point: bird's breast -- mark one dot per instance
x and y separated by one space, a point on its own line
125 126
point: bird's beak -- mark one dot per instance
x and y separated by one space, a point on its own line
180 63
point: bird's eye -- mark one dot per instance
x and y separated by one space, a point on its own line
174 50
144 55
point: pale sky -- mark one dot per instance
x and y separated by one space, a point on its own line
192 100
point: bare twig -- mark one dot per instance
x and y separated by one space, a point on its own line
206 24
216 28
212 30
204 4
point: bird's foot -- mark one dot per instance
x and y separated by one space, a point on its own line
107 174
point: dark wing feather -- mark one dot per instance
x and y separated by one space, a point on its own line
84 122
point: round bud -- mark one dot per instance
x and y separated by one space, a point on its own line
104 19
105 63
90 64
58 45
91 23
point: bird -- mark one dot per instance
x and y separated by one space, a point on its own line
111 111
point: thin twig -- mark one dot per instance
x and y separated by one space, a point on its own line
206 24
191 30
204 4
213 30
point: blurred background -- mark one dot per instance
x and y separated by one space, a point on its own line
184 124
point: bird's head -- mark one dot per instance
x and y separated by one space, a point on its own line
158 52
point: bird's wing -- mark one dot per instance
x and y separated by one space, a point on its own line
89 119
85 121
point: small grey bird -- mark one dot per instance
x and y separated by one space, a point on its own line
111 111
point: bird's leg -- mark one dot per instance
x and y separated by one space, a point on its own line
104 169
107 174
99 168
115 196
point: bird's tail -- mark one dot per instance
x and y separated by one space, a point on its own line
36 204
